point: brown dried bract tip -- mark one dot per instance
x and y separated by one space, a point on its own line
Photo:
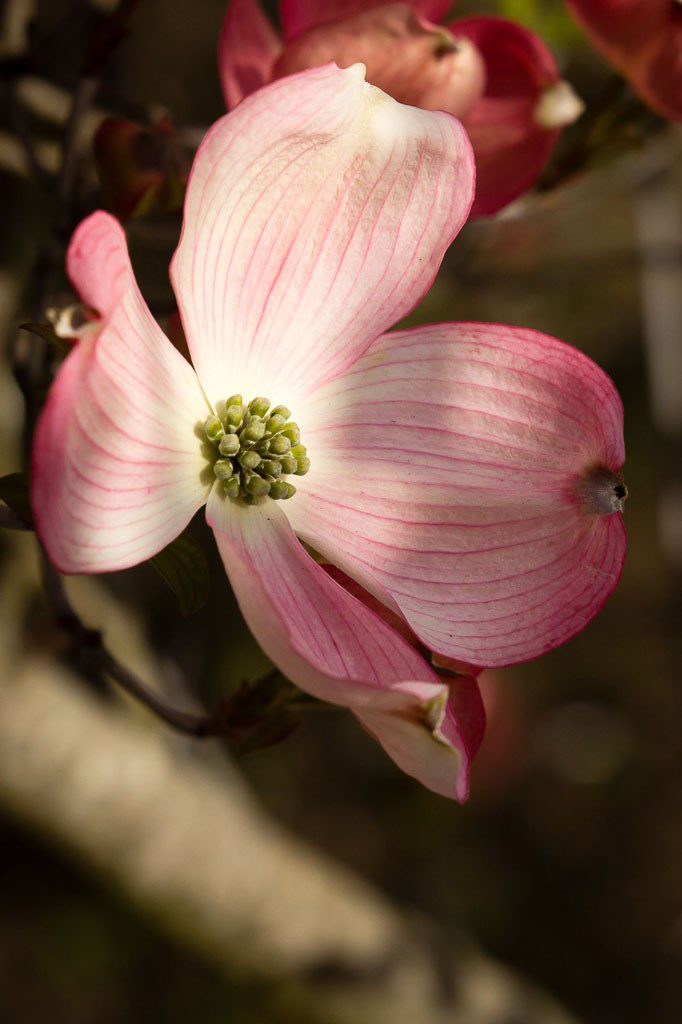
603 491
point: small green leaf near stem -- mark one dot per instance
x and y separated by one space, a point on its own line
184 567
47 333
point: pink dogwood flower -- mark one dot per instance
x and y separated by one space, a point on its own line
497 77
643 39
465 475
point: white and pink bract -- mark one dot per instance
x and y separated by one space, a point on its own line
465 475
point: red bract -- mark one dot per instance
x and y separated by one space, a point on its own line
415 62
497 77
643 38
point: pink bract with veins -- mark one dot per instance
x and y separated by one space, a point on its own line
496 76
464 475
643 38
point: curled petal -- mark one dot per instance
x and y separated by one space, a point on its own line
299 15
98 263
412 60
511 136
455 474
247 50
335 648
317 214
116 464
643 38
466 702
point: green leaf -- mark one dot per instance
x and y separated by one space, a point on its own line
47 333
14 491
184 567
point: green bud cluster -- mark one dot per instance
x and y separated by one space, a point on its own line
257 448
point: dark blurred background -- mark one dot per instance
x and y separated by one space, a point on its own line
565 863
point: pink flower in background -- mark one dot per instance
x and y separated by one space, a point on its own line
464 475
496 76
643 38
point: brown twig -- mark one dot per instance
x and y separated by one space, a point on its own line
256 716
88 648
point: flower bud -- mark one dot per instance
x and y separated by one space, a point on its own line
275 423
259 406
213 428
249 460
280 445
281 490
223 469
253 433
256 485
229 445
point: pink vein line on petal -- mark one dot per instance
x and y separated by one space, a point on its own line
294 367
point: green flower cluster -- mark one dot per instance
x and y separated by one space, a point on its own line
258 447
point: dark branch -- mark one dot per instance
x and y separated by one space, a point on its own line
88 645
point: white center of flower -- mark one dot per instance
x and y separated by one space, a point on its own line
256 448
